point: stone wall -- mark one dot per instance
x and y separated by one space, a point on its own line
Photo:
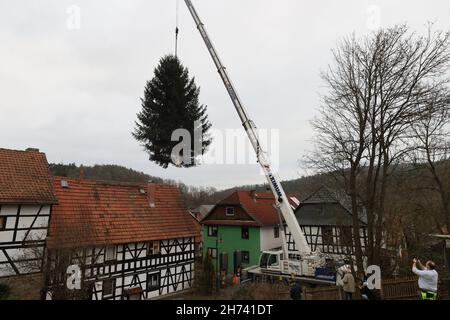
24 287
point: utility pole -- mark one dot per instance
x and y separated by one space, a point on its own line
217 261
218 240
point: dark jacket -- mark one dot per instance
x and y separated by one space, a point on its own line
296 292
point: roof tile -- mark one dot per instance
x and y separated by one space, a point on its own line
25 178
98 213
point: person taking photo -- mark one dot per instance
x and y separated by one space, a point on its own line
428 279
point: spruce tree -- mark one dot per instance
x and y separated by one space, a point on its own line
171 102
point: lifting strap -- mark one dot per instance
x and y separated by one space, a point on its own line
176 27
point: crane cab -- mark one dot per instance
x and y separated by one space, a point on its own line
271 261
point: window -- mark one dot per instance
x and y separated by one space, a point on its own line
245 256
245 233
229 211
212 252
2 223
276 232
212 231
110 254
273 261
108 287
153 248
153 282
327 236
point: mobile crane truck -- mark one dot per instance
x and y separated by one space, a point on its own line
300 264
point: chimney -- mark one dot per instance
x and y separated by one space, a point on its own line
32 149
151 194
81 173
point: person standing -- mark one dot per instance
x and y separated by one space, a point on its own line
348 285
428 279
296 291
366 293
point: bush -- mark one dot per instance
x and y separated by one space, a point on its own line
206 276
4 291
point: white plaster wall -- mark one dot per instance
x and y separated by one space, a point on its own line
268 241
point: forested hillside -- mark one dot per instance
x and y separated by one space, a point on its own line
194 196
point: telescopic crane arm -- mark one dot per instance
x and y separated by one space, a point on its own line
281 199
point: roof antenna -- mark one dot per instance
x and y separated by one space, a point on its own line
176 27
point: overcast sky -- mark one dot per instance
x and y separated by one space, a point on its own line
74 92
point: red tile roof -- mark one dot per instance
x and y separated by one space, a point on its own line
259 205
25 178
91 213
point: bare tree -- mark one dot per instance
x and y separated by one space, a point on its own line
378 87
67 246
432 136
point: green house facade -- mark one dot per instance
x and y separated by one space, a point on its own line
238 228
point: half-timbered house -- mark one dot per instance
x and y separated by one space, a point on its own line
327 221
129 241
26 199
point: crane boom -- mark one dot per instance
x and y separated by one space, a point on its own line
281 199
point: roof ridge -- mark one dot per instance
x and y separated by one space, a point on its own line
114 183
22 151
322 187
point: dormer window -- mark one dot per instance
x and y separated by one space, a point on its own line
64 184
229 211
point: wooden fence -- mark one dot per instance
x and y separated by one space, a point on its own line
400 289
391 289
323 293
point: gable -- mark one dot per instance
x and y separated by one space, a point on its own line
322 214
258 208
325 207
25 178
218 216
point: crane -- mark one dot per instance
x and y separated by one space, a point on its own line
279 261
